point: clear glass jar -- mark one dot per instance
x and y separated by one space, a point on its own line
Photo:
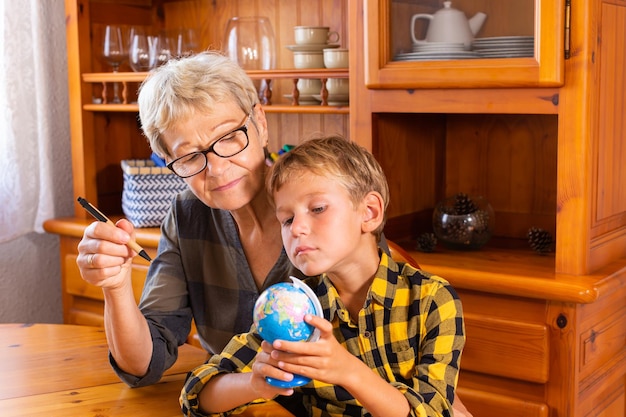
463 221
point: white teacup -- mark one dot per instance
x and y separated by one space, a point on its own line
309 86
308 60
314 35
338 86
336 58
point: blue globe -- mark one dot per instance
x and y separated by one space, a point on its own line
279 314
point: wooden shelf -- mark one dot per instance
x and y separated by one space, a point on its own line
269 108
124 78
147 237
510 267
106 77
503 267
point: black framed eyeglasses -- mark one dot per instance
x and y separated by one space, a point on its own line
228 145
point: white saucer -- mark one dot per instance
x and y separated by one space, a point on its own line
507 54
439 47
434 56
335 99
504 42
312 47
304 99
506 39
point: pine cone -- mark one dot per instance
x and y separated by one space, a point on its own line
540 240
457 230
426 242
463 204
481 224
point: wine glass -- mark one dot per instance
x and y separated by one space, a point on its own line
185 42
114 52
143 52
164 48
250 42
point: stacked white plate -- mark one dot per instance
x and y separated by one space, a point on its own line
505 47
435 55
436 51
438 47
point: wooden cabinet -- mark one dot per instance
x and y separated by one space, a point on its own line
539 137
388 36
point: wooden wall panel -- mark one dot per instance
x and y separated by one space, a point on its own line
512 165
608 138
610 210
410 153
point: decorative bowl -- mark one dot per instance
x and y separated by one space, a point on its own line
463 221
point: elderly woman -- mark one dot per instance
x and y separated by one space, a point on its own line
220 242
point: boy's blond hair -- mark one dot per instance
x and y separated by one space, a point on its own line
338 159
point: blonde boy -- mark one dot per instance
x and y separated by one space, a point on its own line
391 336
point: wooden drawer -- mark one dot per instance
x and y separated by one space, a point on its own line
603 343
488 404
506 348
608 402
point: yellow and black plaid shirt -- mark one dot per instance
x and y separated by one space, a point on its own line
410 332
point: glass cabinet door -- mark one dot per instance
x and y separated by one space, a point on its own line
465 43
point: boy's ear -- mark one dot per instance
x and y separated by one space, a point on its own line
374 212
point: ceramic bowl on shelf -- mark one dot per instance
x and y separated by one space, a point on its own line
463 221
336 57
338 86
309 86
302 60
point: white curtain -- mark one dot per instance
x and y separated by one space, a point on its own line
33 112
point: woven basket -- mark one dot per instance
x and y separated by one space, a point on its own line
148 191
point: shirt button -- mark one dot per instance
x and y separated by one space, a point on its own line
367 334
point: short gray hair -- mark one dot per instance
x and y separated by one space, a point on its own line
183 87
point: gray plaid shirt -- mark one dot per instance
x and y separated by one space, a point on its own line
200 272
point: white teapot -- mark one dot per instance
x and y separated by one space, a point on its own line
449 25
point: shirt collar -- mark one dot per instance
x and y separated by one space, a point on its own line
385 283
382 290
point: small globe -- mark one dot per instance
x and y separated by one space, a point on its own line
279 313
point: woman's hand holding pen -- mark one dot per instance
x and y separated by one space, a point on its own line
104 259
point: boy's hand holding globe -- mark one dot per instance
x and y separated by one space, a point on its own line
279 314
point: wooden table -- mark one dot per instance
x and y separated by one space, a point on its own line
63 370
